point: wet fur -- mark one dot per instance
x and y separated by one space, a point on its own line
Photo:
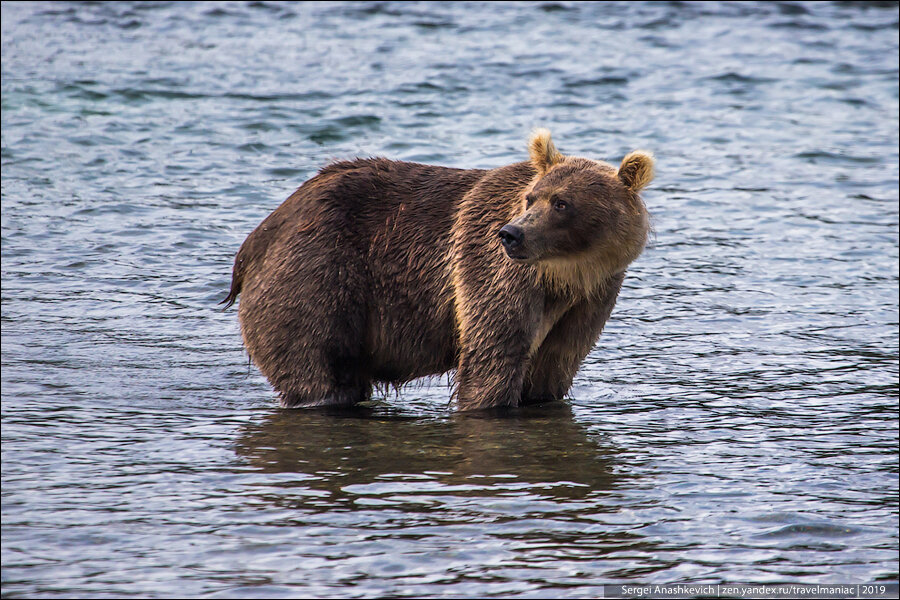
377 272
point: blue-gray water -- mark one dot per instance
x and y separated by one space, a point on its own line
737 421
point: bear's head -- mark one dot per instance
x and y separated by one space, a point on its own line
581 220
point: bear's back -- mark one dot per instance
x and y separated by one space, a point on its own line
361 202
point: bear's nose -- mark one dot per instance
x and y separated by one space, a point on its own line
511 236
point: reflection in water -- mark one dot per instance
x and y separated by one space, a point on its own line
477 497
539 445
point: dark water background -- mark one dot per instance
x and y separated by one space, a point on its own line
737 421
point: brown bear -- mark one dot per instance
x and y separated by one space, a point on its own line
379 272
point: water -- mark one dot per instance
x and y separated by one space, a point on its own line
737 421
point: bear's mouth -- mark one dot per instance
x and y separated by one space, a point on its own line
517 254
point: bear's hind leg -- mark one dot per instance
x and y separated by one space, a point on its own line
342 383
304 326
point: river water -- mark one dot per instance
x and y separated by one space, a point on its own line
737 421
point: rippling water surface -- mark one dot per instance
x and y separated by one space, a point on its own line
737 421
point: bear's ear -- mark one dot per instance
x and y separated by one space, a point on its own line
542 151
636 170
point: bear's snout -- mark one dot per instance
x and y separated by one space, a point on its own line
511 236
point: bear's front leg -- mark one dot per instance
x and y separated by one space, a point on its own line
557 359
551 372
496 333
491 375
498 304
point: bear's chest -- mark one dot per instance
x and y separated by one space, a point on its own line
554 308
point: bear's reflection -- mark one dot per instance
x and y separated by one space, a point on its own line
541 444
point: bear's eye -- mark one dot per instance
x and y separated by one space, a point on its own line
560 205
529 199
